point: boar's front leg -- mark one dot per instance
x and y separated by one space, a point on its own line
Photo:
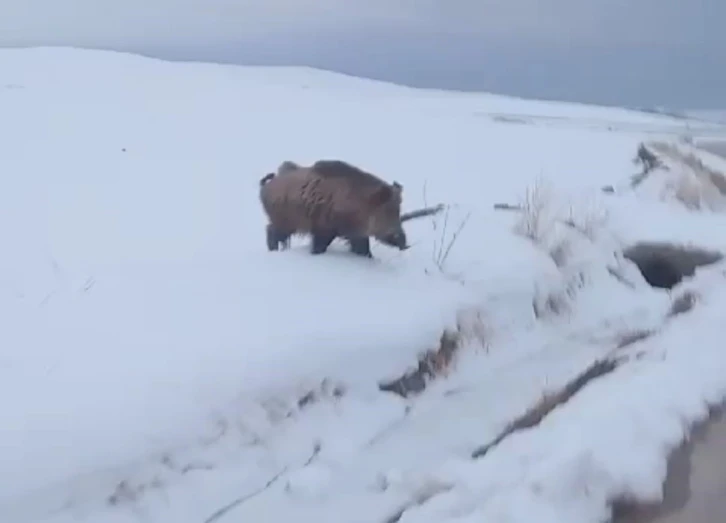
321 241
360 246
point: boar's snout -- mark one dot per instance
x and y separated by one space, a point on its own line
396 239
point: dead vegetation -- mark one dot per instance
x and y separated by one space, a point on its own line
694 163
697 186
443 244
561 252
471 328
419 499
538 218
125 492
550 230
550 402
433 363
683 303
649 162
587 222
686 178
617 273
630 338
535 221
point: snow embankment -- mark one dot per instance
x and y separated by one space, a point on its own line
607 444
139 359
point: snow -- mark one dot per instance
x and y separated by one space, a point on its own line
607 442
158 362
714 115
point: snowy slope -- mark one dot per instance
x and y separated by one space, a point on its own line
157 362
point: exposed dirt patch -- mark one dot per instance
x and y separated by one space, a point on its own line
326 390
431 364
678 489
683 303
550 402
664 265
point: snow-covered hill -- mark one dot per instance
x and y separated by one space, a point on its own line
711 116
156 362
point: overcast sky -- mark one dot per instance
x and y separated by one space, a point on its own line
626 52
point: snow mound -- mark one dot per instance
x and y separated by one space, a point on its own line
683 174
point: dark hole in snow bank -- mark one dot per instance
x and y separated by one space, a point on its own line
664 265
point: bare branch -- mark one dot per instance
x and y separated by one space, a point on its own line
507 207
454 237
422 213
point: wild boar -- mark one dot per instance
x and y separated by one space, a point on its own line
331 199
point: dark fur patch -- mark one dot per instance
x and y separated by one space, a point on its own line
341 169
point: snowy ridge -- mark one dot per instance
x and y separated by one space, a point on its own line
158 363
712 116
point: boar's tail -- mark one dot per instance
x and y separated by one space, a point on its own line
266 178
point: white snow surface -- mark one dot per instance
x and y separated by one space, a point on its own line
154 354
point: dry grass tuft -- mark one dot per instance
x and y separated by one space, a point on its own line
630 338
683 303
535 221
561 252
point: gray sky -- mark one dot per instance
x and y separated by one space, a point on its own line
629 52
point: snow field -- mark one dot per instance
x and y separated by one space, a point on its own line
155 353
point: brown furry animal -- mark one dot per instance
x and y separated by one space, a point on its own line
331 199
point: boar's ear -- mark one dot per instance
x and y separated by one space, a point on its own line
396 190
287 165
382 195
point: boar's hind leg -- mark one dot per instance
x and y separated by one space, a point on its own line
272 238
321 241
275 238
360 246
